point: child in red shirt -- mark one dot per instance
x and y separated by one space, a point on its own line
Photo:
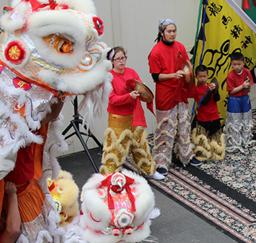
207 134
239 114
126 122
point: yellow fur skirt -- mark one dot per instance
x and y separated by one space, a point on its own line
121 139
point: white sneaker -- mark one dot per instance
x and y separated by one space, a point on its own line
157 176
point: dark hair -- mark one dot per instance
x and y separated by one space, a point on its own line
111 54
162 26
237 56
201 68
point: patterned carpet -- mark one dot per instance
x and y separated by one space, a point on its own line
223 193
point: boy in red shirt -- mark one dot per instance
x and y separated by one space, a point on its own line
207 134
239 115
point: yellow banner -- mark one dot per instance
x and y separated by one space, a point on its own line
226 30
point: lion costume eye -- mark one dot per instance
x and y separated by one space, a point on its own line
60 43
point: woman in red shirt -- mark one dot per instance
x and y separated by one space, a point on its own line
207 133
126 122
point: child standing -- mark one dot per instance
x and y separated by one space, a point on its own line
207 134
239 115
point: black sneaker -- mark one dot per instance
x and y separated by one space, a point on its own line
162 171
195 162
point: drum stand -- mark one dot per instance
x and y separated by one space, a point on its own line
75 124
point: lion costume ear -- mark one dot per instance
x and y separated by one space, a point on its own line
15 17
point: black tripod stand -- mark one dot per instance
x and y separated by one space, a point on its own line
75 123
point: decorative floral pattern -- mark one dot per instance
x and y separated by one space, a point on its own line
237 171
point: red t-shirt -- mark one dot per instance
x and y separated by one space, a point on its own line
165 59
120 101
209 111
234 80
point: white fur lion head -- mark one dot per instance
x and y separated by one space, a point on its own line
116 208
57 43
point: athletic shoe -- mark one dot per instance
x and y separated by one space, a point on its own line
195 162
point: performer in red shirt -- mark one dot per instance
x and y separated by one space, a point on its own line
239 114
166 62
126 122
207 134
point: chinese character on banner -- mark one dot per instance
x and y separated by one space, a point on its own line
227 30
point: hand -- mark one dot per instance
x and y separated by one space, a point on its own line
212 86
134 94
178 74
10 188
246 84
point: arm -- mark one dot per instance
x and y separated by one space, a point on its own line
55 111
128 98
231 87
216 96
164 77
235 90
206 98
13 221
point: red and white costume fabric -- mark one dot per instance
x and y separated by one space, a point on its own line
125 132
116 208
172 112
48 49
239 122
207 134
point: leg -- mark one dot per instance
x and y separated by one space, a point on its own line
164 137
247 122
233 126
202 149
117 142
13 221
184 145
141 152
217 143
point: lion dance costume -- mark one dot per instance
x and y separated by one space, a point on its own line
49 50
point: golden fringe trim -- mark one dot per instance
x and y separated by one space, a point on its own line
117 149
218 148
200 139
141 152
208 149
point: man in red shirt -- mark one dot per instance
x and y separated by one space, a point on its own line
166 61
239 115
207 134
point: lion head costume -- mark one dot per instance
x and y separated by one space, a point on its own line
48 49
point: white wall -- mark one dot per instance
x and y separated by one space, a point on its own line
133 24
